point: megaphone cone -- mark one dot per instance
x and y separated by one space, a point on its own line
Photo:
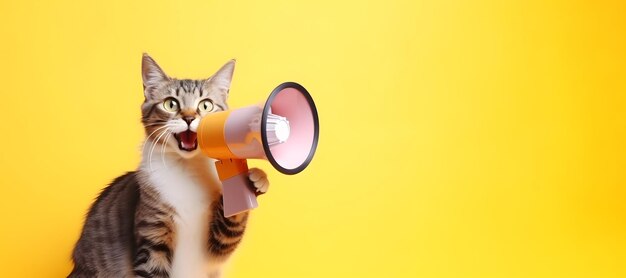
284 131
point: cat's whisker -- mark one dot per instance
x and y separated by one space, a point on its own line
167 138
153 132
154 145
143 147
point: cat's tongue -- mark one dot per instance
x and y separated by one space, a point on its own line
188 139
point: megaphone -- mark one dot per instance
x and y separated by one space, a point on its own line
284 130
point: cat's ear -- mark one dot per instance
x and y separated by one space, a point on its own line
151 73
222 78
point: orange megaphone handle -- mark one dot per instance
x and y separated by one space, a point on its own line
237 190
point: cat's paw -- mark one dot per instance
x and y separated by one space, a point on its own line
259 180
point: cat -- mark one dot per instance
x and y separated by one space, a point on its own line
166 218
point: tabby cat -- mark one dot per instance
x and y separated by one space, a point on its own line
166 219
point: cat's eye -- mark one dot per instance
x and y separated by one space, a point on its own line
171 105
205 105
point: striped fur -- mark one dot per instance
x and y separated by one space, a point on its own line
225 232
165 219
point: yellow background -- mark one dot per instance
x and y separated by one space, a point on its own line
458 138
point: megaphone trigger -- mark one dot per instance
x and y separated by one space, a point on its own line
238 192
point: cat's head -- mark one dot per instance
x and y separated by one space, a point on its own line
173 108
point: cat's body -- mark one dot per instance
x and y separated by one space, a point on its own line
166 219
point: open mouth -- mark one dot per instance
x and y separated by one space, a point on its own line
187 140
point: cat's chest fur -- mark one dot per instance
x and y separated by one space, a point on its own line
189 186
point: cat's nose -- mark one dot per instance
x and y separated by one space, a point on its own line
188 120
